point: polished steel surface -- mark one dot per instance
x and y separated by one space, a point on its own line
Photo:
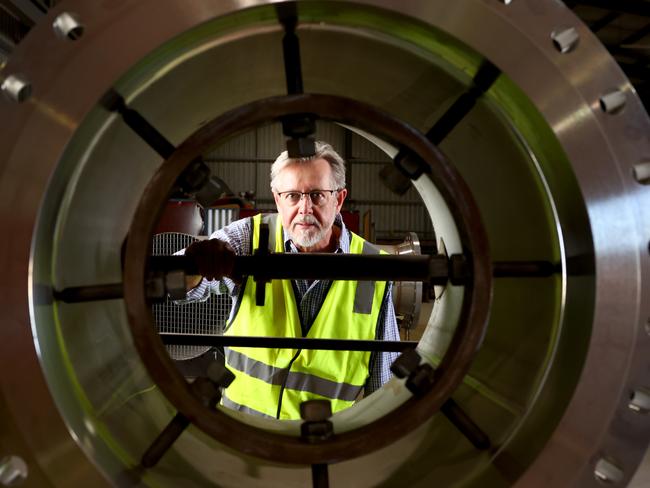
552 158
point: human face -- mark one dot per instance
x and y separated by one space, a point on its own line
308 225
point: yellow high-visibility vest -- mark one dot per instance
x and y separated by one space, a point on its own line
274 382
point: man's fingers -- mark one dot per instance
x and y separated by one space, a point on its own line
192 281
214 259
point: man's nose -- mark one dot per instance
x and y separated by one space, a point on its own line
305 204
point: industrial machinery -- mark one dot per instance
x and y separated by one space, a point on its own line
528 147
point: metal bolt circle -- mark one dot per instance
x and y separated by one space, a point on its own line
640 401
565 40
613 102
608 472
613 136
67 26
13 471
641 172
16 88
405 418
315 410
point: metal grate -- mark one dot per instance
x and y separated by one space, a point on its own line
207 317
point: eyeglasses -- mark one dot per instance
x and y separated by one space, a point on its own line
318 197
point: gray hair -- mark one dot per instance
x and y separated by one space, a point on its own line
323 151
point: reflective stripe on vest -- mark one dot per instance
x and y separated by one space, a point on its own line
263 376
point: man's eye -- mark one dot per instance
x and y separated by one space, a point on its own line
317 196
293 196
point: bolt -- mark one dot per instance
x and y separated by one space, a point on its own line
406 363
506 2
641 172
640 401
301 147
67 26
13 471
16 88
565 40
316 426
315 410
608 472
612 102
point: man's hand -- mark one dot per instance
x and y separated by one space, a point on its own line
213 258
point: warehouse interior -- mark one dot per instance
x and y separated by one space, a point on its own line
505 139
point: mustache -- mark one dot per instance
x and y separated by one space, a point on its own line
307 219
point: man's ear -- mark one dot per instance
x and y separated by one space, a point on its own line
340 197
276 198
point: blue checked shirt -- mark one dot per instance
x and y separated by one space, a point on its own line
309 295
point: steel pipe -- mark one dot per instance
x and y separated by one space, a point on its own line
552 149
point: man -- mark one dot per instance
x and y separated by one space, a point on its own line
309 195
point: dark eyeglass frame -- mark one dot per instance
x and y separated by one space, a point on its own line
303 193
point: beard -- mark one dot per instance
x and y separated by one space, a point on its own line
308 237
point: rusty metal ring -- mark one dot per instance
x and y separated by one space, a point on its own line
383 431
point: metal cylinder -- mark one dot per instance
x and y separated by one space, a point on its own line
550 153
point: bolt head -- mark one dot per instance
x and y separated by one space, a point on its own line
315 410
16 88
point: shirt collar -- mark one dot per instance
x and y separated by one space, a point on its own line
343 246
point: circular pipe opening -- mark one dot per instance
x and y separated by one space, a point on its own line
414 411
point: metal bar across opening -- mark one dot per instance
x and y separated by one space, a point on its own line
286 342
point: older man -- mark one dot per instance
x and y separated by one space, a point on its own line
309 194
